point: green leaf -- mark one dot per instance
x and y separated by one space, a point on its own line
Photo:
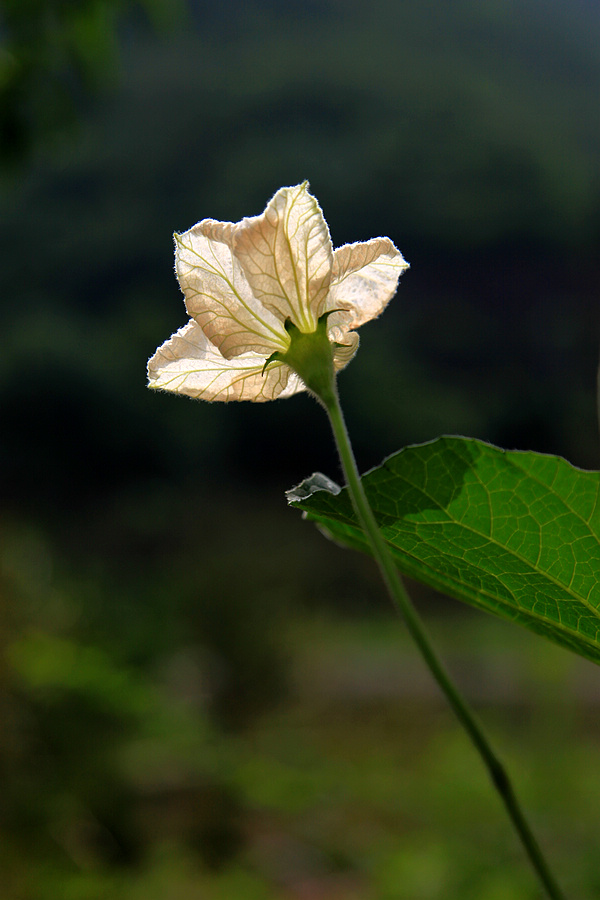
514 533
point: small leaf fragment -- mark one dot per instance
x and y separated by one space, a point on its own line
315 482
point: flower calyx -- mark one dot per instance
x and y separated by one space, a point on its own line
311 356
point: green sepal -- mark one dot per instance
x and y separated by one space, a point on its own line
310 355
274 357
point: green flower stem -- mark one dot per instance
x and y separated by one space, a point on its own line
330 400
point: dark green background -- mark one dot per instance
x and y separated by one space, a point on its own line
145 539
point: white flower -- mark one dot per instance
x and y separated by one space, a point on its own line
244 282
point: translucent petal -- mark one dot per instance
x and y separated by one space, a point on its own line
287 256
364 279
218 296
188 363
345 350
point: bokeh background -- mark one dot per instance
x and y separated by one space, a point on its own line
201 698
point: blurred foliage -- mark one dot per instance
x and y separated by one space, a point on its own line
362 783
53 54
172 727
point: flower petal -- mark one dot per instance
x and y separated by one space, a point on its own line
218 296
345 351
188 363
363 281
286 254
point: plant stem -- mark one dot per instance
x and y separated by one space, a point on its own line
404 605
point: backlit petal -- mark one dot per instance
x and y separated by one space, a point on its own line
218 296
345 350
188 363
363 281
287 256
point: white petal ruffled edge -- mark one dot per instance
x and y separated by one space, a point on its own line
364 279
189 364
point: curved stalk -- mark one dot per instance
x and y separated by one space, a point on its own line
330 400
